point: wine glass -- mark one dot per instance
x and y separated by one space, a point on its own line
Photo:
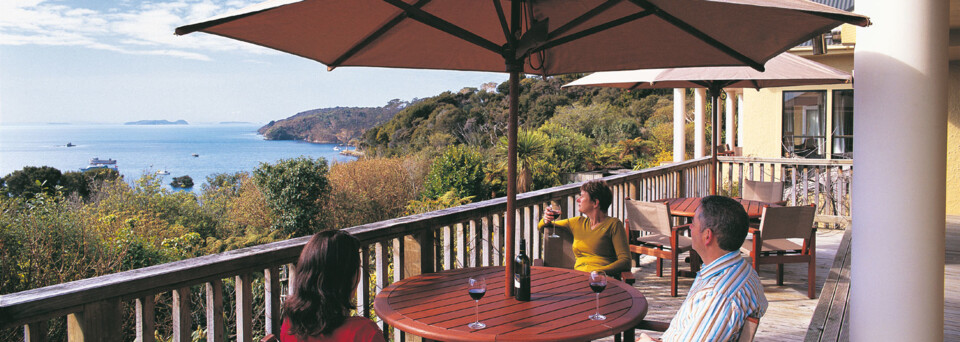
477 287
553 209
598 282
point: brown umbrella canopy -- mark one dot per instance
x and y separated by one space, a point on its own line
781 71
561 36
546 37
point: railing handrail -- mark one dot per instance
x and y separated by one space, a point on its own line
789 161
22 307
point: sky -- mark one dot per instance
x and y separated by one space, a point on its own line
95 61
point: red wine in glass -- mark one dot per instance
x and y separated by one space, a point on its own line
477 287
597 282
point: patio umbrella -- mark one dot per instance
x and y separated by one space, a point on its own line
546 37
782 71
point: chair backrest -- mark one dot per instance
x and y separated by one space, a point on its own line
787 222
648 216
749 330
558 251
770 192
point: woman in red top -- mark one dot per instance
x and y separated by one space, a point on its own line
324 287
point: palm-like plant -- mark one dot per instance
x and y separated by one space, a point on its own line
531 146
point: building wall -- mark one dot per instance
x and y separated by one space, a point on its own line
763 110
953 141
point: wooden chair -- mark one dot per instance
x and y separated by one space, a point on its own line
770 244
747 332
558 252
661 239
770 192
724 150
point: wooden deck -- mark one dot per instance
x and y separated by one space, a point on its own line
788 316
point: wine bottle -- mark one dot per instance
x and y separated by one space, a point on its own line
521 279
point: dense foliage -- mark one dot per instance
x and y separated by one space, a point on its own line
330 125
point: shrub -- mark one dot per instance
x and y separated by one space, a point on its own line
458 169
294 190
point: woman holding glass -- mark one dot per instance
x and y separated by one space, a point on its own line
324 288
599 241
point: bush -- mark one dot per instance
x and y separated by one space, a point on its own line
370 190
458 169
295 190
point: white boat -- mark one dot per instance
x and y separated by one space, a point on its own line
97 163
336 148
163 172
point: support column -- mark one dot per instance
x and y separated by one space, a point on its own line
739 118
729 125
699 140
679 122
900 108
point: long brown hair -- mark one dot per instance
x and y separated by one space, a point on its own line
324 284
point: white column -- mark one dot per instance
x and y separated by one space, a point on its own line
900 111
679 121
739 117
699 140
729 126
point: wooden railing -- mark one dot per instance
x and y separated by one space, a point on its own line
806 181
465 236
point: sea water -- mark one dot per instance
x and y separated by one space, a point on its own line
146 149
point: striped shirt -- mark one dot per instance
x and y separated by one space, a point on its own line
725 292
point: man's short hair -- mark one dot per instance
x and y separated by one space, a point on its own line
726 218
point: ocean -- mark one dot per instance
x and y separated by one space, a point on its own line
144 149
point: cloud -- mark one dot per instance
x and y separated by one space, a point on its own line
137 28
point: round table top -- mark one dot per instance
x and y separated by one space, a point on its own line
687 206
437 306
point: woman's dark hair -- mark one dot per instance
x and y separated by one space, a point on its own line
324 284
598 190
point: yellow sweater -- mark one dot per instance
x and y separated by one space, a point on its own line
602 249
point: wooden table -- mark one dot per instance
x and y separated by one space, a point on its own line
436 306
687 206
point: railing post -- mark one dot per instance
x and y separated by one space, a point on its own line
146 320
97 322
244 307
214 310
35 332
181 315
271 307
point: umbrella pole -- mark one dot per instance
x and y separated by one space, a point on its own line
715 99
511 179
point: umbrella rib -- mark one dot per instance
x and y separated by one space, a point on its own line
511 41
373 36
592 30
699 34
583 17
445 26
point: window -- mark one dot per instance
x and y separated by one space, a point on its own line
842 124
804 124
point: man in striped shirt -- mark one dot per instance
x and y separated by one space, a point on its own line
727 289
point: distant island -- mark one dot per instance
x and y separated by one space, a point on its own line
338 125
156 122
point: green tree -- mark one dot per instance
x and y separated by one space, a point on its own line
32 180
294 190
531 147
458 169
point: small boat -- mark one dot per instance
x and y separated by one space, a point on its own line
336 148
70 144
97 163
163 172
195 155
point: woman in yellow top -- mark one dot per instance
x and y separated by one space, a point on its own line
599 241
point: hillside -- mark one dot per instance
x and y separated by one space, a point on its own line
330 125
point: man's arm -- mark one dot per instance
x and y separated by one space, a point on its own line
707 316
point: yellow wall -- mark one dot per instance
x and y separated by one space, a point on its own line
953 141
763 110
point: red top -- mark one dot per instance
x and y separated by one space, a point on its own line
357 329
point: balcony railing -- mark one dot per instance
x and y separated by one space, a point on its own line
824 182
465 236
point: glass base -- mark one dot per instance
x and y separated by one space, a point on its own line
479 325
598 317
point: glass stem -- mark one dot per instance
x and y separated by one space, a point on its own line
476 308
598 304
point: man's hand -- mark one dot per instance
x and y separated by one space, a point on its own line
645 338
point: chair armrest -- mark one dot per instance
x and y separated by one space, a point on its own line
753 230
681 228
628 277
270 338
653 325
